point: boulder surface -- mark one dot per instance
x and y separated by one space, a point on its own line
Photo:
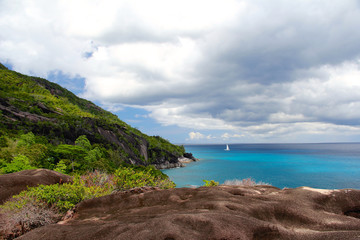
223 212
13 183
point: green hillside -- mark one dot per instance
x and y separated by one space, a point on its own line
44 125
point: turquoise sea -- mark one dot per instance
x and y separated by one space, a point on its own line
325 165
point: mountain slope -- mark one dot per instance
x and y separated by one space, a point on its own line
58 117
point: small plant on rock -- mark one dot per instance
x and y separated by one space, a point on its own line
210 183
244 182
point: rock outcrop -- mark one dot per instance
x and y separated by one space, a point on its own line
224 212
175 161
13 183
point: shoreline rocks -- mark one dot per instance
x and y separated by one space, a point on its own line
223 212
180 162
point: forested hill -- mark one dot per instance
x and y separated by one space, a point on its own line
44 125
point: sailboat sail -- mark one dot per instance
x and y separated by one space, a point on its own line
227 148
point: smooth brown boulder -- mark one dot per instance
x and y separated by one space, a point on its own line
223 212
13 183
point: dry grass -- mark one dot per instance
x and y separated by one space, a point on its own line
30 216
244 182
98 179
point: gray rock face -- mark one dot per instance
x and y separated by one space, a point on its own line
167 165
223 212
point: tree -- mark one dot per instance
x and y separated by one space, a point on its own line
92 157
60 167
83 142
3 141
26 140
71 152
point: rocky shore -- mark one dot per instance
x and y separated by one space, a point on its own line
178 162
223 212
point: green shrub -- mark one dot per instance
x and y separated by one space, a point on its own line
26 139
61 167
3 163
19 163
83 142
96 184
128 177
61 197
210 183
3 141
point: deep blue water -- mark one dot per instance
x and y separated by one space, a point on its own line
326 165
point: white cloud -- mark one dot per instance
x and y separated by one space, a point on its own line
196 135
210 137
266 70
284 117
227 136
178 115
199 137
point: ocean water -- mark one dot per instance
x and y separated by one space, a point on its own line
326 165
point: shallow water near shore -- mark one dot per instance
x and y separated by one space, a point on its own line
325 165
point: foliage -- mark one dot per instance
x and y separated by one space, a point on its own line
19 163
61 197
210 183
2 66
92 157
61 167
83 142
3 142
158 144
128 177
98 178
72 152
44 204
43 125
26 140
93 184
58 117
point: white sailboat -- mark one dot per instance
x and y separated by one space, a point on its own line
227 148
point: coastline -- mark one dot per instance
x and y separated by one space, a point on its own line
327 166
179 163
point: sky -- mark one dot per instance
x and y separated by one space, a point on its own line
199 71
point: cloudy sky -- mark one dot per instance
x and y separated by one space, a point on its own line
201 70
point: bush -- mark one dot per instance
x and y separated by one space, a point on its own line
60 197
244 182
98 179
210 183
44 204
19 163
127 177
61 167
31 215
26 140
